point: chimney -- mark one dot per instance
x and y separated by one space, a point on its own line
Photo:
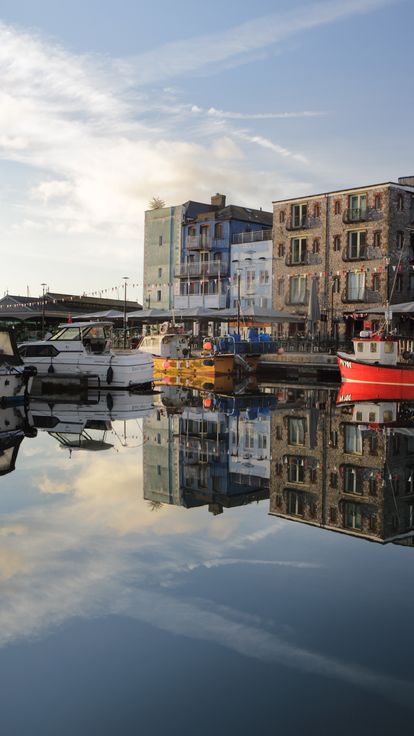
407 181
218 200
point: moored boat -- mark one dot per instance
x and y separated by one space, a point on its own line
171 350
15 378
84 349
374 370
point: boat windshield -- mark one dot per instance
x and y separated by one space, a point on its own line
67 333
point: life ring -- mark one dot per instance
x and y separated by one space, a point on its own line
164 328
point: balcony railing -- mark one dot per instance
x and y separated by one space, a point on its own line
198 242
367 296
191 270
306 259
295 301
302 223
253 236
361 214
364 253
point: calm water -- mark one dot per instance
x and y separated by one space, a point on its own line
187 564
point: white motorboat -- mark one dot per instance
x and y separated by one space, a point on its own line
85 349
15 377
85 426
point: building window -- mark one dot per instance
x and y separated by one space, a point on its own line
357 206
353 439
262 441
337 242
355 286
336 284
158 469
250 279
298 250
399 282
279 432
296 431
158 438
281 287
352 516
372 486
377 201
282 216
377 239
316 246
264 277
356 243
400 202
400 239
337 207
295 504
334 438
350 480
281 250
159 273
159 295
334 480
299 215
263 302
298 290
296 470
160 240
218 230
376 282
317 211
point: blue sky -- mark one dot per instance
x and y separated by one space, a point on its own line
104 105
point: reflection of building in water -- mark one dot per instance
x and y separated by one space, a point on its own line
160 457
339 467
207 455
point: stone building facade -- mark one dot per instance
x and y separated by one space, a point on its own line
331 469
357 243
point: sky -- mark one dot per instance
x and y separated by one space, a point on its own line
104 105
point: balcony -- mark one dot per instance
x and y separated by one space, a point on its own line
198 242
302 223
196 270
365 296
364 253
207 301
253 236
307 259
301 301
361 214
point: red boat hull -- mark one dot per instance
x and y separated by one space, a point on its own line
366 381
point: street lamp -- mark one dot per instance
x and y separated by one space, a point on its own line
125 279
43 285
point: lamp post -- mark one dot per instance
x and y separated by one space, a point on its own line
125 278
43 285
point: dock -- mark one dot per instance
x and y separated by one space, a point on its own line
304 366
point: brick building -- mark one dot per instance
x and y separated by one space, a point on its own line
332 468
359 245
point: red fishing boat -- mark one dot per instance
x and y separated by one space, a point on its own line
374 370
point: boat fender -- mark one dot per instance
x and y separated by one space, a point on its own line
166 364
109 374
280 351
109 402
51 369
185 352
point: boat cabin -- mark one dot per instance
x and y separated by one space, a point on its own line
168 345
369 412
94 337
376 348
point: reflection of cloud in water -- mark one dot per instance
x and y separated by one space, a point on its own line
100 550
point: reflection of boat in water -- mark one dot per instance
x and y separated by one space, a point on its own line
14 427
85 426
84 349
15 378
374 370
